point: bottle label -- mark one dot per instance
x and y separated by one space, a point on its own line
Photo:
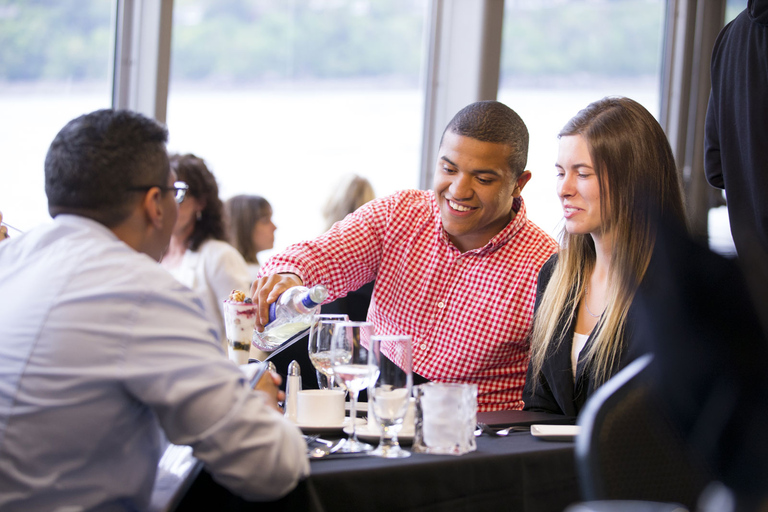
272 311
308 302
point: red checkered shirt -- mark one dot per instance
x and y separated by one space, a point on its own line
469 313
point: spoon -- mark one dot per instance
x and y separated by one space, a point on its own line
482 427
318 452
325 449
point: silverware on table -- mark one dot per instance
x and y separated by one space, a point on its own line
325 448
482 428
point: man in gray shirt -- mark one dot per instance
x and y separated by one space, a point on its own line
103 353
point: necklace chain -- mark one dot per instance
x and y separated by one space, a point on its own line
586 303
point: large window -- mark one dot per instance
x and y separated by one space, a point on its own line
55 64
283 97
557 57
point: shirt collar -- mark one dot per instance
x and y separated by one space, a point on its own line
68 219
499 240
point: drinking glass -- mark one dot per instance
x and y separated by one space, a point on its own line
320 334
446 418
351 368
389 392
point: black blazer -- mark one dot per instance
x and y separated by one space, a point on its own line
555 391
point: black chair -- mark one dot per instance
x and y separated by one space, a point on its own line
629 450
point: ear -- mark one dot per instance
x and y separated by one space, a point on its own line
153 207
524 178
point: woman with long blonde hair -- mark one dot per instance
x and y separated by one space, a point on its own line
615 176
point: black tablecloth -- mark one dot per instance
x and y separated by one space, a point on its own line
517 472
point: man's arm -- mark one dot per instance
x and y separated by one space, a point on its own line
713 167
343 259
202 400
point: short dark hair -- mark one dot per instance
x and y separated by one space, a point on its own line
492 121
202 186
96 158
243 212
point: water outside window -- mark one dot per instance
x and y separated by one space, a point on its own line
55 64
559 56
282 98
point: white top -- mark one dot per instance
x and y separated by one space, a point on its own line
213 271
102 353
579 340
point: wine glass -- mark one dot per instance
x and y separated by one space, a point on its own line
389 393
349 360
320 346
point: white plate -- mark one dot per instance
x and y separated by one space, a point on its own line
326 429
555 432
372 436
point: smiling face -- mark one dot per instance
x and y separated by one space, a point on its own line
578 188
475 189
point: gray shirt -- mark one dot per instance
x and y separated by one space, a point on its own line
101 352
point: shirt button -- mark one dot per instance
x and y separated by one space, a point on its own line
441 304
423 346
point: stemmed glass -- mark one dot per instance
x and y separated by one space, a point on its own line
351 367
389 392
320 335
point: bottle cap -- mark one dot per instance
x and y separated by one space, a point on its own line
316 295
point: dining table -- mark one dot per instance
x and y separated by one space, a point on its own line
516 472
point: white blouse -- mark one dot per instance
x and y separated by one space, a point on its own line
579 340
213 271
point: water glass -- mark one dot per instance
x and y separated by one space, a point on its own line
389 392
351 368
446 415
320 334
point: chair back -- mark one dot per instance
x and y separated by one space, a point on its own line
628 450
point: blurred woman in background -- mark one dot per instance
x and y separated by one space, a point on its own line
616 176
350 193
250 228
198 255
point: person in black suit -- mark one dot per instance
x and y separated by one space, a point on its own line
616 173
736 139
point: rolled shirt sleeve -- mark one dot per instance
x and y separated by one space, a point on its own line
202 400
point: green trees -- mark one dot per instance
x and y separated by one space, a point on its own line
583 37
55 39
257 41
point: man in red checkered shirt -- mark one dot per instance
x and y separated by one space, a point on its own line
455 267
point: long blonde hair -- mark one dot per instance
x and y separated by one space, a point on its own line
629 152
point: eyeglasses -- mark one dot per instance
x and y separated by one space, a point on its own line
180 187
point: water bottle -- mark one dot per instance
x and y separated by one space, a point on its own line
289 315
